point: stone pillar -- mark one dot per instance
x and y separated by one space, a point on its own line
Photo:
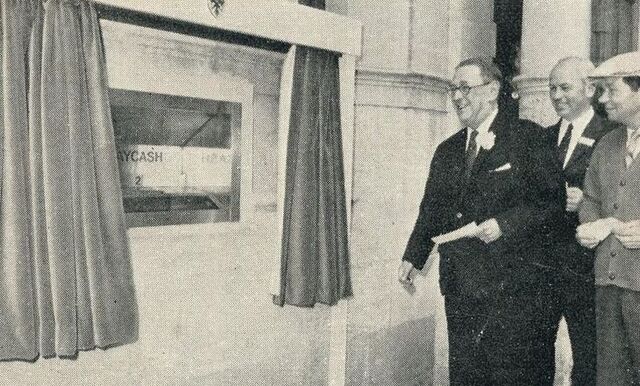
551 30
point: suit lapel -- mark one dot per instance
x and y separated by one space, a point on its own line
456 155
591 132
554 133
459 149
485 158
618 156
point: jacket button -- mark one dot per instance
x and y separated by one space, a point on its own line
623 183
612 276
615 206
613 254
458 215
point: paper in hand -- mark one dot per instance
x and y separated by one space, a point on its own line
469 230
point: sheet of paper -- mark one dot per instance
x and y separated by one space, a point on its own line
469 230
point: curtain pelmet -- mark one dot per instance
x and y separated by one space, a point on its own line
320 4
66 263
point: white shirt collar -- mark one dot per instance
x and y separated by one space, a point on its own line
630 133
579 125
632 145
484 126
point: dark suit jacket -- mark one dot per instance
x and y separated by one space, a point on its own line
526 199
567 256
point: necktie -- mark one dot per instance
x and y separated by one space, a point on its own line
632 147
563 147
472 151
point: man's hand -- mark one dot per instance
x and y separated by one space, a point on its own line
404 273
489 231
574 198
629 234
590 234
587 241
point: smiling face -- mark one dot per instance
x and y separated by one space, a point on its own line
621 102
481 100
570 94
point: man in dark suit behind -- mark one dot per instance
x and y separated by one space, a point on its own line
573 139
496 172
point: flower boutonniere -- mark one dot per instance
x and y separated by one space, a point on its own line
486 140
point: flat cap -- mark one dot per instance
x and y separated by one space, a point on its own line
627 64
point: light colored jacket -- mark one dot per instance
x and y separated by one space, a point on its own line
613 190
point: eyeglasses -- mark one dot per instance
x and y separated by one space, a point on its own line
464 88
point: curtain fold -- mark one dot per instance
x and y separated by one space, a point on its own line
320 4
614 28
66 270
315 261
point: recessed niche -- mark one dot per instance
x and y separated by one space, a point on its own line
179 157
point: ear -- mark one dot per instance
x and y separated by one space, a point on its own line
493 89
589 89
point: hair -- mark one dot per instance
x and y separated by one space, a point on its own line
582 66
633 82
489 71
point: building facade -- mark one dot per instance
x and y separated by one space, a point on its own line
204 289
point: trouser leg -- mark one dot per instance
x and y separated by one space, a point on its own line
630 303
579 312
517 348
613 361
464 321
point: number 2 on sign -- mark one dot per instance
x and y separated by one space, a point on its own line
138 180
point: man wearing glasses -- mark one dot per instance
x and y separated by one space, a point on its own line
610 217
497 184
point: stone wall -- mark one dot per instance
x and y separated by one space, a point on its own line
392 336
410 48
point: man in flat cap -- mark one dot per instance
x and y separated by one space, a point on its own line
610 217
573 138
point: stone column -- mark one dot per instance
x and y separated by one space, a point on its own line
551 30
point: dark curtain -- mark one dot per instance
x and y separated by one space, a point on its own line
315 263
614 28
65 269
320 4
507 14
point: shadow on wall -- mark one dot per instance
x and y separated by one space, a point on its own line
399 355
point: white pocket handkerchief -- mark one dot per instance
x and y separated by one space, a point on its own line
502 168
586 141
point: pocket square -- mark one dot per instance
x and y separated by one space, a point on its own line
502 168
586 141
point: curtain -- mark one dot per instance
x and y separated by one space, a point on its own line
65 269
315 256
614 28
320 4
315 266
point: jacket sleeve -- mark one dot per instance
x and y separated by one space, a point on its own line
427 225
541 210
592 201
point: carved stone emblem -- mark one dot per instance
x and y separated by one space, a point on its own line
215 6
